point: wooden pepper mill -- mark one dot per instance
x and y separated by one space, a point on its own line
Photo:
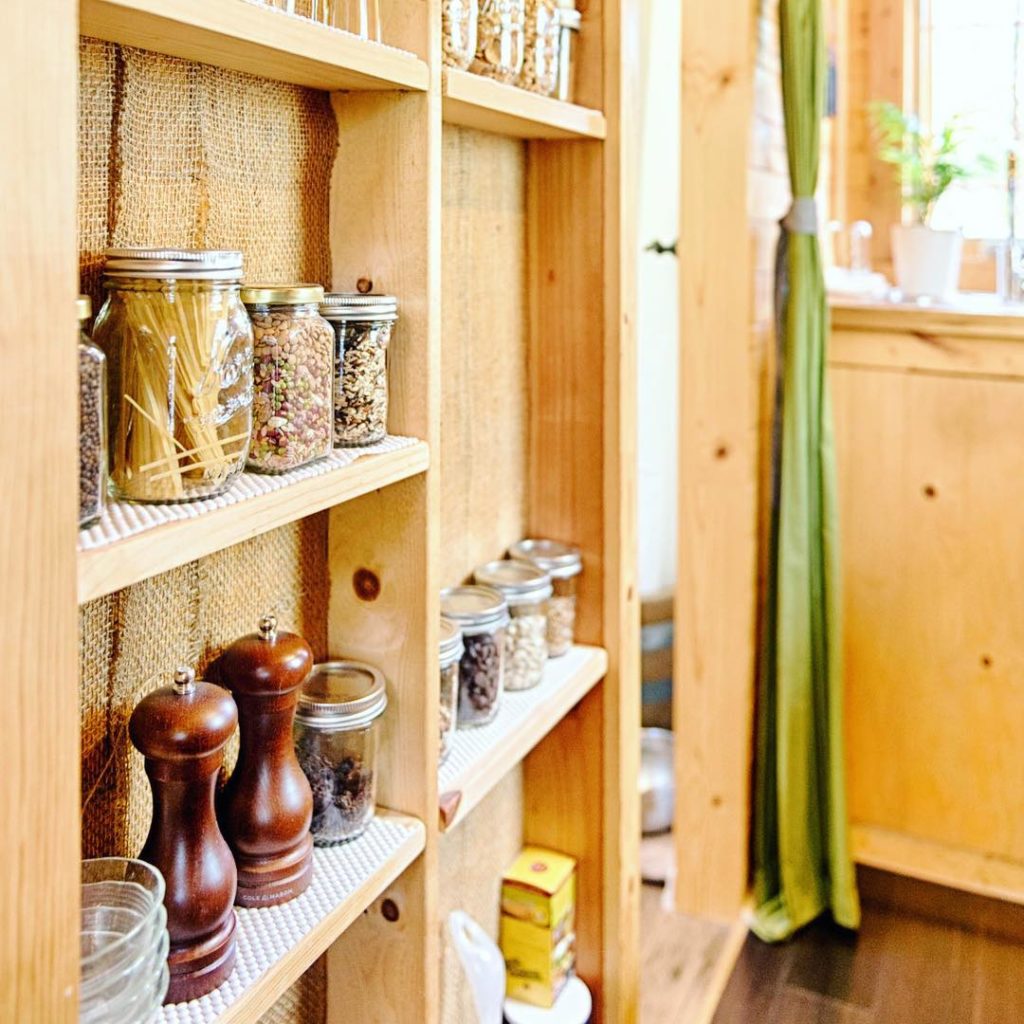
266 808
181 730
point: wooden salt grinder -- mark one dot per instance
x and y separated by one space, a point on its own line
181 730
266 808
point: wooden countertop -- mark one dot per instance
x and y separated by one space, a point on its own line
974 318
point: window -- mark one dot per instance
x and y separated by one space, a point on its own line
972 66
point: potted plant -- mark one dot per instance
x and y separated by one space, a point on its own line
926 261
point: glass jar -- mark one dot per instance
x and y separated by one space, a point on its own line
482 616
526 590
294 350
569 20
92 416
541 43
563 563
458 32
336 741
179 355
499 39
362 332
451 653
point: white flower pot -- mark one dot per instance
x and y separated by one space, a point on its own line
927 262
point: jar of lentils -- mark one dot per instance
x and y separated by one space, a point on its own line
458 32
92 423
293 355
541 43
563 563
482 617
499 39
451 654
526 590
362 332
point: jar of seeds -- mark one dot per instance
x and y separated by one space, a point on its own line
569 22
499 39
92 423
563 563
451 653
336 739
482 616
293 356
362 332
542 40
526 590
458 32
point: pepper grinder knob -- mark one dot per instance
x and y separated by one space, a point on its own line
268 628
184 680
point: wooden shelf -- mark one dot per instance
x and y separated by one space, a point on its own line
134 542
242 36
481 757
277 944
478 102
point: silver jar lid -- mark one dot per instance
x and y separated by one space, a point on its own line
559 561
451 642
356 306
474 609
282 294
570 18
342 694
518 582
184 264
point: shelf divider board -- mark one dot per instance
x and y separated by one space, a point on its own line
277 944
475 101
481 757
244 36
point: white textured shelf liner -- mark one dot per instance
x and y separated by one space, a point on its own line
266 935
125 519
471 747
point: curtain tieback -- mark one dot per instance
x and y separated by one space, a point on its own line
802 218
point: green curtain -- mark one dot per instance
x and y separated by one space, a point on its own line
802 864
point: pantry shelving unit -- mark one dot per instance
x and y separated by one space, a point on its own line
402 523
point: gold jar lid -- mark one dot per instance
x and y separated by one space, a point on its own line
84 307
282 294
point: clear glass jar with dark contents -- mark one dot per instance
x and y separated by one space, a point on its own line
450 654
92 423
563 563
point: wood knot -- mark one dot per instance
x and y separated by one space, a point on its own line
929 491
722 452
389 911
986 661
366 585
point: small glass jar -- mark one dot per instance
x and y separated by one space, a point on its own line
336 741
563 563
362 332
92 423
569 21
482 616
178 344
541 44
499 39
292 367
451 653
458 32
527 591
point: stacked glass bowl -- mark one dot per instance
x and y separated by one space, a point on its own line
124 942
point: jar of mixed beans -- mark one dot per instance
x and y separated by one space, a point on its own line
92 423
563 563
450 655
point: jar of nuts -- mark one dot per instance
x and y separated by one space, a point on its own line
542 40
563 563
292 367
362 332
526 590
499 39
451 654
92 423
482 616
458 32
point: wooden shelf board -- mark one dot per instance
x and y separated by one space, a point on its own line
242 36
481 757
277 944
119 562
474 101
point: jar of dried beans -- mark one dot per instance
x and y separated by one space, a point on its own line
92 416
541 42
499 39
179 356
336 739
562 562
451 653
526 590
458 32
362 330
482 616
292 369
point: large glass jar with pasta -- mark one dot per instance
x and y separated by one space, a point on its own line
499 39
541 43
179 350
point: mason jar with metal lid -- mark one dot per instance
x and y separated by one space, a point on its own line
482 617
292 368
336 740
569 23
527 591
92 422
362 327
450 654
563 563
179 352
